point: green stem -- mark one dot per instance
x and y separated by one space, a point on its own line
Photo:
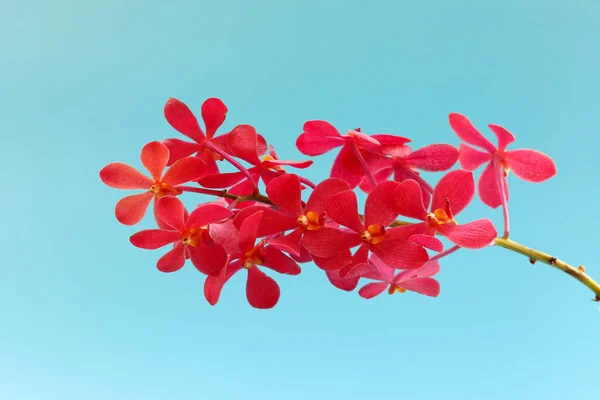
535 256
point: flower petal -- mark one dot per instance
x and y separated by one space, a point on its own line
261 290
427 286
458 187
279 262
181 118
179 149
488 187
343 209
392 145
213 113
372 289
408 200
172 212
380 175
355 270
318 138
401 174
155 156
272 222
317 200
242 143
465 130
285 193
382 271
131 209
184 170
400 253
379 206
296 164
248 232
471 159
152 239
289 243
206 214
173 260
347 166
429 242
119 175
224 180
328 242
347 285
530 165
214 284
334 263
504 136
210 259
473 235
436 157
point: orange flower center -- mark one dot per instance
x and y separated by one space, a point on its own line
256 256
193 237
161 189
441 216
277 168
374 234
311 221
395 289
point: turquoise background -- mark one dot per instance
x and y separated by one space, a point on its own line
85 315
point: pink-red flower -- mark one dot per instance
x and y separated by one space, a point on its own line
131 209
261 290
451 195
529 165
207 147
190 234
419 280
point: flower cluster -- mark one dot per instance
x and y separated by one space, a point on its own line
246 230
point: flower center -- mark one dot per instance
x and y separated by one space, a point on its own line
311 220
276 168
374 234
193 237
395 289
256 256
441 216
161 189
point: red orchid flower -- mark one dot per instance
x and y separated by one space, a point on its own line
529 165
319 137
373 235
345 284
131 209
208 148
405 163
189 234
419 280
451 195
267 169
261 290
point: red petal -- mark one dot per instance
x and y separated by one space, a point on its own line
279 262
426 286
242 143
380 175
214 284
179 149
379 206
473 235
213 112
458 187
382 271
343 209
471 159
272 221
181 118
296 164
488 187
318 138
289 242
356 270
436 157
408 200
504 136
347 285
530 165
224 180
393 145
184 170
399 253
347 166
248 232
285 193
226 234
206 214
173 260
429 242
329 242
334 263
210 259
261 290
151 239
131 209
155 156
245 188
161 224
206 155
465 130
172 212
321 194
402 174
365 141
372 289
122 176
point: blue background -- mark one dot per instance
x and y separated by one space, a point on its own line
85 315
